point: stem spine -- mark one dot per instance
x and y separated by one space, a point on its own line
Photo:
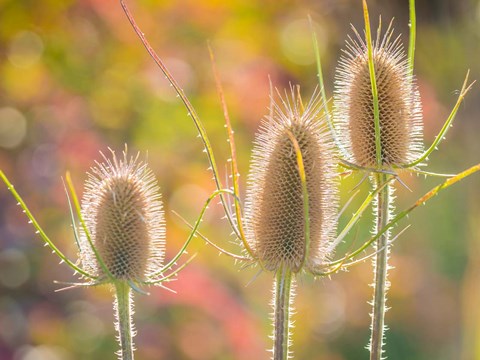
282 301
381 284
124 325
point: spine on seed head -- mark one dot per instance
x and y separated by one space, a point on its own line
274 212
400 113
123 212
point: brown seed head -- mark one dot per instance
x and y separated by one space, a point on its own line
400 112
274 211
122 210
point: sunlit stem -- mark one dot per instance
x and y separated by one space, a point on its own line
233 154
321 83
329 117
191 110
373 82
411 44
283 297
381 269
124 325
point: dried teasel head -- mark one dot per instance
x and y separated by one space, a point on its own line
123 212
274 209
400 114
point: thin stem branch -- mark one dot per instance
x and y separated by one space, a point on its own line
191 111
124 325
233 156
283 298
413 32
447 125
39 230
381 269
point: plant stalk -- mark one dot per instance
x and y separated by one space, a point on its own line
124 325
381 284
283 289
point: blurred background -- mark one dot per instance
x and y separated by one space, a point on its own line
75 80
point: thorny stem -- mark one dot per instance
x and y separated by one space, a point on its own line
381 284
124 326
413 31
281 314
233 154
191 111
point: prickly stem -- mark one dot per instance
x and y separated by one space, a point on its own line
283 297
381 284
124 325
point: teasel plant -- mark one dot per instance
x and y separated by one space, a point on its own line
286 227
120 231
377 126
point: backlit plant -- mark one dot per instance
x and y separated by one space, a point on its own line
283 227
377 125
121 239
288 225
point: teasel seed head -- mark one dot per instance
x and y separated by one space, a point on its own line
123 212
274 208
400 113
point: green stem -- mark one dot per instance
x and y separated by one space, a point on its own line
373 82
123 308
281 339
381 284
413 31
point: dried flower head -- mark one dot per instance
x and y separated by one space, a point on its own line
123 212
400 114
274 209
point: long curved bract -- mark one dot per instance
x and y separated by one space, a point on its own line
191 110
448 123
76 204
39 229
421 201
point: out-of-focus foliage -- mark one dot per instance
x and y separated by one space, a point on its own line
74 80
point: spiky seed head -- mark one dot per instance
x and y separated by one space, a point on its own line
274 209
400 111
122 209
